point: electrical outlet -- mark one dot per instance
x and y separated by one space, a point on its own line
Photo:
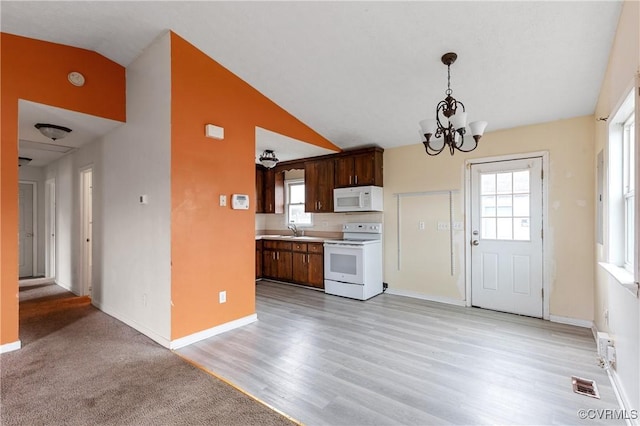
222 297
223 201
421 225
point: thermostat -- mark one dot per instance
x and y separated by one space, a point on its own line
240 202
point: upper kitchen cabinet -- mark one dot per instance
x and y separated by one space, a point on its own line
273 191
259 189
319 184
359 167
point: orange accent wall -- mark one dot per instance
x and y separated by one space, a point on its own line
37 71
212 247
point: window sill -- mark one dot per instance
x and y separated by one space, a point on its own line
622 276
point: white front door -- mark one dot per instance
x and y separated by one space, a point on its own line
506 240
25 233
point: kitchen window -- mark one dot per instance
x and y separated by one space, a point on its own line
295 204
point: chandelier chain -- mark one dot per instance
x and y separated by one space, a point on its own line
449 91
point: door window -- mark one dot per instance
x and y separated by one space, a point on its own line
504 212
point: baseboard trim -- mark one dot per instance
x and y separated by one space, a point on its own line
205 334
10 347
621 396
416 295
36 281
571 321
133 324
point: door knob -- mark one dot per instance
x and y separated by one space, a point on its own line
475 242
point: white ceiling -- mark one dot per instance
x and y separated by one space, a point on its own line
42 150
364 73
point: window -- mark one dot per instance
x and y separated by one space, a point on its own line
621 176
505 206
295 204
628 189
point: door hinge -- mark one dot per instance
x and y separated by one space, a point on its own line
542 174
542 234
542 293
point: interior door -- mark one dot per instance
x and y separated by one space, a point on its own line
506 240
25 233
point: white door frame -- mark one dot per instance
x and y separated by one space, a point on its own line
50 228
546 248
85 270
34 218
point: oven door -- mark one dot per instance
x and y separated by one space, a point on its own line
343 262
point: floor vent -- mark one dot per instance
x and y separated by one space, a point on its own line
585 387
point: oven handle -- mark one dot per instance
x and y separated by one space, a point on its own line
342 245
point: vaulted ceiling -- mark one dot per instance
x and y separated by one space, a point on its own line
365 73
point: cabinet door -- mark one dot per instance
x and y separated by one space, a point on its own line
364 169
285 265
258 259
259 200
319 184
273 192
300 268
316 270
268 263
343 171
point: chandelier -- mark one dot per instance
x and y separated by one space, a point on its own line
450 122
268 159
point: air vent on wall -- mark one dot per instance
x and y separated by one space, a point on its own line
585 387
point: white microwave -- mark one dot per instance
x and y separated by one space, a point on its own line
357 199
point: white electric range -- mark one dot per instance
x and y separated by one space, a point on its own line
353 265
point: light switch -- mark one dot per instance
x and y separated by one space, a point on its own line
143 199
223 201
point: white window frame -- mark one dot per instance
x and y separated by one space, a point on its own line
628 189
287 185
619 261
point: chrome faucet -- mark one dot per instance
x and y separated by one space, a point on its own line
293 228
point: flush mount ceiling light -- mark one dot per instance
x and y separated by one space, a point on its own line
23 161
268 159
450 122
53 131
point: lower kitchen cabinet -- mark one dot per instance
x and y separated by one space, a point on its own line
258 259
299 263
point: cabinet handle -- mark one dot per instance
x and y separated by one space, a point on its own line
349 179
356 179
307 258
319 205
278 255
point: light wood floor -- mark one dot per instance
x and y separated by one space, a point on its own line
327 360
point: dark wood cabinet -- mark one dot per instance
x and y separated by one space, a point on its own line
258 259
319 184
273 191
308 264
358 168
259 189
277 260
297 262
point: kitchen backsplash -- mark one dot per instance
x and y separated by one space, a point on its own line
322 222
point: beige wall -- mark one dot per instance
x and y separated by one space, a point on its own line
622 307
570 144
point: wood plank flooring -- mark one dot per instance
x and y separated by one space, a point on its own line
327 360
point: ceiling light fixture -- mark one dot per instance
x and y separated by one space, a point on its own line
450 122
53 131
268 159
23 161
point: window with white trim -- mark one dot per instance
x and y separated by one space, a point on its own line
628 189
295 204
621 173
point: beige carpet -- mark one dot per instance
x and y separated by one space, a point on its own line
79 366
